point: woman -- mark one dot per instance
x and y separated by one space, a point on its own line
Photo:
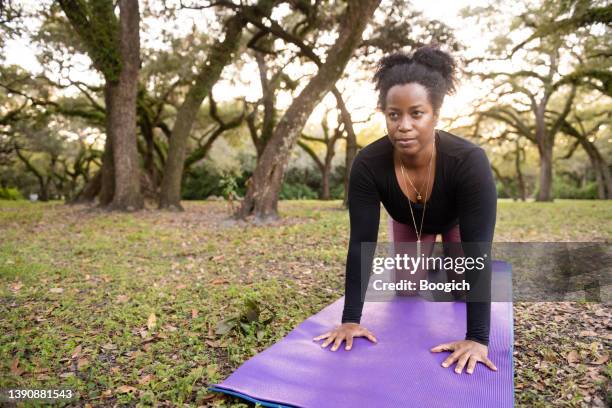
430 182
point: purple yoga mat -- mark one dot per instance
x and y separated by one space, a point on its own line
399 371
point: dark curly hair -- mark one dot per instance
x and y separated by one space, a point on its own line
428 65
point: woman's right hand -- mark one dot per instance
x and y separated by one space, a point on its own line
346 332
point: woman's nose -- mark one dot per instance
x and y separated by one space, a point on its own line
405 124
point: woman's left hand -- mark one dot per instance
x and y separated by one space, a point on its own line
465 352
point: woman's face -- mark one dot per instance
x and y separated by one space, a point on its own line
410 118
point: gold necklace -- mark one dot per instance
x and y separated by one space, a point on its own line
419 232
419 198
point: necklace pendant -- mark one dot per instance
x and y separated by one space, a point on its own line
418 248
419 198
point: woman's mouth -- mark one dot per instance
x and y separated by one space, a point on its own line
406 142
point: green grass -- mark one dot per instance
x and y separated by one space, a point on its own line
78 288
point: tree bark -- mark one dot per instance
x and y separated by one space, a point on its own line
90 191
107 182
261 198
519 174
600 167
127 195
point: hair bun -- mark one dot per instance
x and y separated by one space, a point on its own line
434 58
389 61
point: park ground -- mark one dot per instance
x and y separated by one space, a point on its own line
126 308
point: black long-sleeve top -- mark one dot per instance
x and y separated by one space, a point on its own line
463 192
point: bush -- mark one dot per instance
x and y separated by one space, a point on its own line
562 189
9 193
337 192
201 182
297 191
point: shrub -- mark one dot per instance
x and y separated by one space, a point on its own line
562 189
9 193
297 191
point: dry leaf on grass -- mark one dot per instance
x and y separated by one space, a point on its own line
146 379
82 363
152 321
219 281
15 287
126 388
601 359
15 369
573 357
122 298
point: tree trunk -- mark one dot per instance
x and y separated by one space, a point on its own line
44 189
107 182
127 195
600 167
222 54
261 198
351 142
90 190
522 191
545 149
325 182
546 167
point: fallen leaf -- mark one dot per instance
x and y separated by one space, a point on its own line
15 287
125 389
77 351
146 379
152 321
587 333
56 290
573 357
194 313
115 370
15 369
181 286
212 343
219 281
106 394
122 298
601 359
109 346
82 363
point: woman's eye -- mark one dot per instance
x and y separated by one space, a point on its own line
418 113
393 115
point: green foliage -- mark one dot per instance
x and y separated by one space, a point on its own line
200 183
248 320
9 193
306 183
229 185
203 181
297 191
562 189
97 26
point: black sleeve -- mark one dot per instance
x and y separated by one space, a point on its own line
364 214
477 207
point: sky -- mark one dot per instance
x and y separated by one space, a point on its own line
361 100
